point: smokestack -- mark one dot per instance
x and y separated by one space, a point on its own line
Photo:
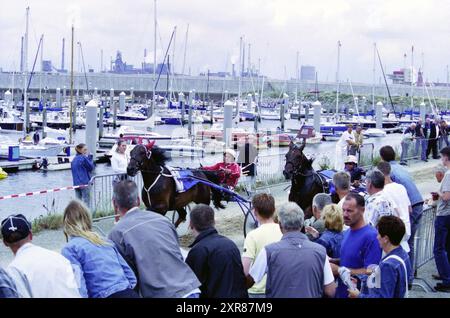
243 61
249 66
21 56
62 57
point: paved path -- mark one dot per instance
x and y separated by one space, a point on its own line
230 221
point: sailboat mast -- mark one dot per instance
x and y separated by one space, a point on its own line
241 70
446 93
173 60
25 61
12 88
337 76
41 71
374 74
71 89
297 75
412 81
185 50
184 58
152 109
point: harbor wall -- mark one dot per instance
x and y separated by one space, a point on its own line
142 84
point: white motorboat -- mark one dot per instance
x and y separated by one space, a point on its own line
59 120
273 115
10 121
147 123
374 132
55 163
175 148
131 116
32 151
183 148
129 133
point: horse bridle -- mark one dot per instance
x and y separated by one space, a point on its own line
139 165
297 172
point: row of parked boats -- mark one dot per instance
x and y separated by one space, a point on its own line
135 126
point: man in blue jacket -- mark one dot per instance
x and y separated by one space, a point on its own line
82 166
390 278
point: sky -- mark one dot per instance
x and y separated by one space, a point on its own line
275 29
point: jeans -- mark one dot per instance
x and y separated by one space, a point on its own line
127 293
424 144
404 155
443 141
417 149
83 195
442 228
414 218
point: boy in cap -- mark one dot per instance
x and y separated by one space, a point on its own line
229 171
37 272
356 173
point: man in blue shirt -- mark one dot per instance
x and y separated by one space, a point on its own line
401 176
359 247
82 166
390 279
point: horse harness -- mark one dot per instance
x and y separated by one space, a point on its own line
160 174
323 182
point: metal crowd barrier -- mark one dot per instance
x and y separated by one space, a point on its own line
101 192
415 148
424 244
366 155
269 169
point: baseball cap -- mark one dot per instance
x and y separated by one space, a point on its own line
15 228
352 159
231 152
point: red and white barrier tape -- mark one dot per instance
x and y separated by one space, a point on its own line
29 194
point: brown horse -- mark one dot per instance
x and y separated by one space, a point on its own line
306 182
159 192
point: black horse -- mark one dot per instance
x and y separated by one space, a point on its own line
306 182
159 192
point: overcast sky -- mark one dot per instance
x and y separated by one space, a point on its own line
276 29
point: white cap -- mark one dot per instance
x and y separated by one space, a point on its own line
351 159
231 152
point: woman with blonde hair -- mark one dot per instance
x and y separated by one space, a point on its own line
103 273
332 237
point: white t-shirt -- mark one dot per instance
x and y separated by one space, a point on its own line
48 274
119 162
259 269
346 136
397 194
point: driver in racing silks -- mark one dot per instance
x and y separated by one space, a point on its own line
229 171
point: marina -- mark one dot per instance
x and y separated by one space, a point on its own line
205 129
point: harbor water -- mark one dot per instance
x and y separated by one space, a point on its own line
31 181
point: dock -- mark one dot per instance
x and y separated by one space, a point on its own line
22 164
34 164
